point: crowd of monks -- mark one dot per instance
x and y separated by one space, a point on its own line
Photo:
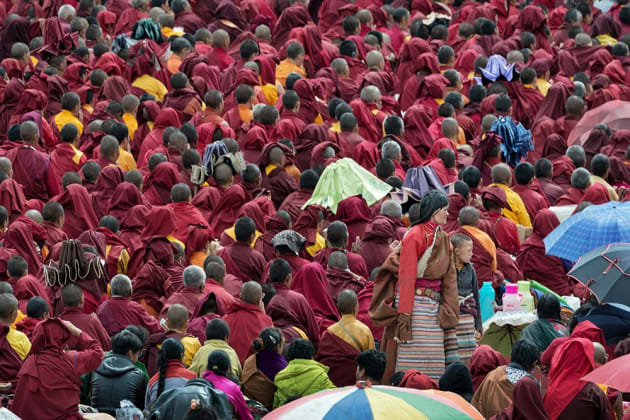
142 139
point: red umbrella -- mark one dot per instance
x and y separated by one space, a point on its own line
615 374
615 114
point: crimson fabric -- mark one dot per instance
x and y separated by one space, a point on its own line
31 169
187 215
484 360
167 117
126 195
117 313
572 360
162 223
354 212
356 263
225 213
340 357
618 144
12 197
79 212
375 243
294 202
11 98
49 380
158 184
243 261
290 125
54 234
275 224
456 202
188 296
131 226
418 380
22 235
290 308
152 286
248 320
108 180
339 279
596 194
533 260
417 120
527 403
534 202
525 103
369 127
310 281
590 331
27 287
26 325
87 323
306 141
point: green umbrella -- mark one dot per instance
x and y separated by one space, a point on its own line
502 338
346 178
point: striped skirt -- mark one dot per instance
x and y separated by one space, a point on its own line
426 350
466 337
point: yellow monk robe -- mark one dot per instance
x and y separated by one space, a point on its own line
151 85
353 332
173 63
517 212
67 117
132 124
543 86
125 161
245 113
285 67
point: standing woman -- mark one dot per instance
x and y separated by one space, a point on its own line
427 290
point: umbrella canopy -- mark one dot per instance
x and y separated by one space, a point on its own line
503 329
375 403
615 374
612 318
346 178
606 272
615 114
594 226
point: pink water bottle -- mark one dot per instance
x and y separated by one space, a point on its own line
512 298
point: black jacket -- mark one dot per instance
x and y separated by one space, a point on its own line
117 379
175 403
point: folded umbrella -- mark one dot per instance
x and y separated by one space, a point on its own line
615 374
594 226
606 272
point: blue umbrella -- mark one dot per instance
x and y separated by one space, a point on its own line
594 226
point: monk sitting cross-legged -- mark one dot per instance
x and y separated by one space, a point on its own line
240 259
191 293
344 340
72 297
340 277
293 202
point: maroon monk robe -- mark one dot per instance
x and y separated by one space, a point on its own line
294 202
54 395
573 196
155 340
186 215
125 196
167 117
310 281
12 198
10 361
107 182
79 212
54 234
87 323
243 261
383 80
254 140
552 191
23 235
206 199
563 168
151 286
189 21
295 262
117 313
370 126
504 232
131 227
375 243
356 263
248 320
526 100
290 125
534 202
340 357
128 18
535 263
27 325
566 124
280 183
66 158
188 296
32 170
158 184
339 280
302 313
354 212
225 213
223 298
220 58
27 287
275 224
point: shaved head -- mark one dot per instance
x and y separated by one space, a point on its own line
501 174
72 295
177 317
487 121
340 65
5 165
374 60
223 175
392 209
35 216
339 260
468 216
8 308
347 302
450 128
599 353
251 293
